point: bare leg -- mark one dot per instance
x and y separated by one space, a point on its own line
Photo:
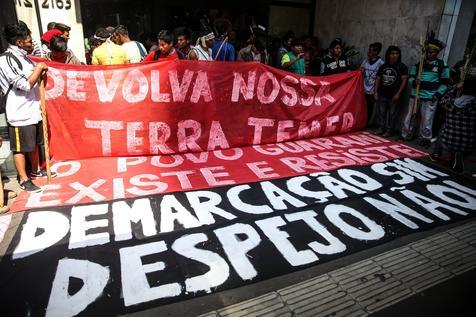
19 160
33 156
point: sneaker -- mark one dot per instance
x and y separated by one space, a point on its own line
434 157
424 143
388 133
29 186
42 173
10 194
458 165
380 131
4 209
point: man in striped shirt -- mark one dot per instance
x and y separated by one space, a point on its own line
433 83
18 81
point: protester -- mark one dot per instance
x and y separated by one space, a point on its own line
222 50
40 49
166 51
334 62
135 51
458 69
254 52
273 47
311 60
433 84
183 43
285 47
108 53
110 29
44 49
458 135
236 40
390 83
151 43
370 66
293 60
60 53
50 26
65 30
92 44
18 80
202 50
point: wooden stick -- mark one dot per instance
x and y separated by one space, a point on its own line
45 128
2 197
465 70
420 70
221 46
467 63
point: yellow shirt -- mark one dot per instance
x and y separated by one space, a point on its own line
109 53
285 59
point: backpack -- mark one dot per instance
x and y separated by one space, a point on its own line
143 53
4 95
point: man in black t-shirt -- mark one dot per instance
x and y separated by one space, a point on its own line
334 62
389 85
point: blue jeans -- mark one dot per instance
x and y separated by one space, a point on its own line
427 109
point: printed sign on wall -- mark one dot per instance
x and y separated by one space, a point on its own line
62 11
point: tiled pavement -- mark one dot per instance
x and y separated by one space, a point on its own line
370 285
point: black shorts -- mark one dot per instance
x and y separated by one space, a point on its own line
24 139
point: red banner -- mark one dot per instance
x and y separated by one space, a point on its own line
183 106
104 179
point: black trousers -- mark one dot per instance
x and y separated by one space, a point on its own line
370 107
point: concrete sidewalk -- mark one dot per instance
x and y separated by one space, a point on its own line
370 285
348 288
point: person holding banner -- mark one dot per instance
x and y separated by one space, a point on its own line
45 42
19 77
432 83
166 50
59 52
65 30
183 48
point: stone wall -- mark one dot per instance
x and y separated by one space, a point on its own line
391 22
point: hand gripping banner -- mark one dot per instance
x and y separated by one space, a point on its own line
183 106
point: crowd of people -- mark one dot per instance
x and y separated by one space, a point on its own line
385 80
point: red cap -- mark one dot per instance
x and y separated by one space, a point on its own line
50 34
